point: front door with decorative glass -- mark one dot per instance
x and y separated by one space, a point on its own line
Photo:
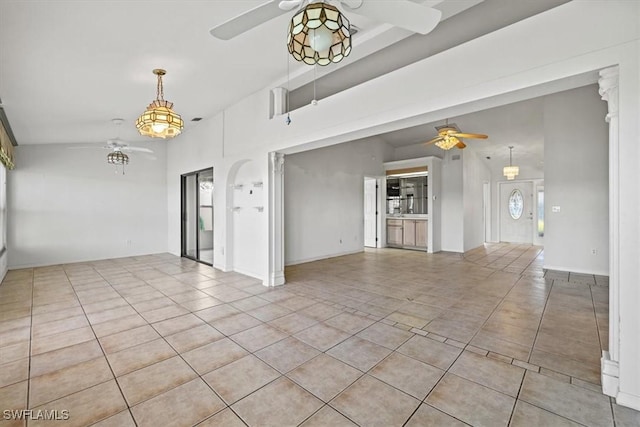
516 212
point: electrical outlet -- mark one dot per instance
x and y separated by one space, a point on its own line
594 251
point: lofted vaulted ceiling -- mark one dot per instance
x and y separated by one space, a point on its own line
68 67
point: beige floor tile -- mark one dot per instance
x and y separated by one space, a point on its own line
287 354
65 357
164 313
359 353
322 336
57 315
327 416
60 340
250 303
104 305
14 396
498 345
88 406
216 313
201 303
269 312
258 337
573 402
471 402
324 376
63 382
153 304
293 323
125 339
350 323
428 416
371 402
193 338
224 418
153 380
319 311
14 336
58 326
177 324
137 357
14 352
235 323
489 372
525 415
296 302
385 335
213 356
407 374
433 352
122 419
281 403
111 314
118 325
564 365
184 405
240 378
625 417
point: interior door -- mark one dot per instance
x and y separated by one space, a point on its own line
370 213
516 212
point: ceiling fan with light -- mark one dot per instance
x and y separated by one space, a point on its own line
118 149
449 136
400 13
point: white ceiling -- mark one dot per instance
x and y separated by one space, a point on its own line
68 67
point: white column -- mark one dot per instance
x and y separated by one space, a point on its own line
608 83
276 219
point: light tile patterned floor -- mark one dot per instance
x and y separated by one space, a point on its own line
381 338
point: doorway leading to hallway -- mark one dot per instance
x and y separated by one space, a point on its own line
197 215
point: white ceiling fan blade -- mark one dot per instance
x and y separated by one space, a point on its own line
400 13
137 149
248 20
289 4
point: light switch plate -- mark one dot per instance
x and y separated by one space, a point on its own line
555 209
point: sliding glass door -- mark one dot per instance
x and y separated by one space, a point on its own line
197 215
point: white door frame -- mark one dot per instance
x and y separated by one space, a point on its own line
500 210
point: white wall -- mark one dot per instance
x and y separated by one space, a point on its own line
69 205
452 202
324 198
199 148
576 180
474 174
249 221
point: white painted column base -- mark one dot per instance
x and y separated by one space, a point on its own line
609 375
275 279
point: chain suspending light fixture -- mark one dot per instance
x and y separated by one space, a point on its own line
159 120
510 171
319 34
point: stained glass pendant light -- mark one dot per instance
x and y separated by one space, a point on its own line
118 158
319 34
510 171
159 120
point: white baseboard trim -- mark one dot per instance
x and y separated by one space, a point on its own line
318 258
275 279
610 375
629 400
575 270
248 273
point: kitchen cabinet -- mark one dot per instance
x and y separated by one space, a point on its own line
407 233
394 232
